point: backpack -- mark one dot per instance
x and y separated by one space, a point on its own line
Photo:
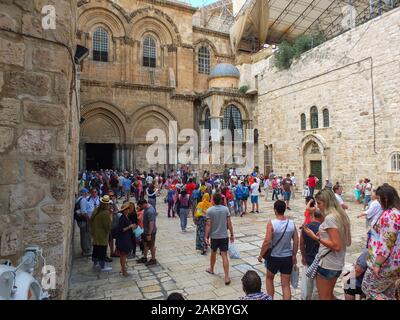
184 202
77 207
239 193
196 194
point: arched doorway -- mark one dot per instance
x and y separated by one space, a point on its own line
315 158
102 139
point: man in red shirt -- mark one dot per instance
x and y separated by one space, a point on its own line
190 187
312 182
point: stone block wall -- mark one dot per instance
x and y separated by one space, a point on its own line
356 76
39 132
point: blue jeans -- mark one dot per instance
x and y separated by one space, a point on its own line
183 215
275 194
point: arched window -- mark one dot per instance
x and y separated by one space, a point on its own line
255 136
314 117
207 123
232 119
204 60
325 115
149 52
395 162
100 45
303 122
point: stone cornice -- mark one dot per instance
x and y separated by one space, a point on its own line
93 83
212 32
187 97
138 86
170 4
224 92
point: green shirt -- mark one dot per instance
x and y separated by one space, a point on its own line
100 227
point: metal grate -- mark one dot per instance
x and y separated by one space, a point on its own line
149 52
303 121
207 123
204 60
233 120
100 45
325 115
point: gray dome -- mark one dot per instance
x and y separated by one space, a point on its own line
224 70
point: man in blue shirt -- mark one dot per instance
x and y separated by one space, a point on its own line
83 223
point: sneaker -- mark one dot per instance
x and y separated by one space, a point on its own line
142 260
151 262
257 211
106 269
108 259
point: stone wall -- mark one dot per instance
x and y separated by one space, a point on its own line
356 76
39 132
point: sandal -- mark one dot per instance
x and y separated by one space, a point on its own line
209 271
142 260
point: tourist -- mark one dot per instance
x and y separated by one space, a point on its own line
190 187
251 284
100 227
293 189
217 224
183 209
246 193
82 219
266 186
151 193
357 191
310 209
127 186
275 191
120 185
239 198
287 185
92 202
124 237
334 236
175 296
328 185
309 249
149 232
367 192
114 229
337 189
312 183
282 237
171 200
384 247
200 218
254 188
353 285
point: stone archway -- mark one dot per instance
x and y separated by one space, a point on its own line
315 158
103 138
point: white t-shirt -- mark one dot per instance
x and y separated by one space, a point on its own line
293 178
374 211
254 189
368 192
149 180
339 198
266 183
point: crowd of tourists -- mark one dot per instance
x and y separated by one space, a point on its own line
212 199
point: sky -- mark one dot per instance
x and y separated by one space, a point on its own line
199 3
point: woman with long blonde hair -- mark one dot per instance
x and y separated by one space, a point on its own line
334 236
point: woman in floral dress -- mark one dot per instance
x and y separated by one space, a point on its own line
384 248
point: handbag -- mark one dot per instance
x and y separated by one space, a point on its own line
267 254
312 269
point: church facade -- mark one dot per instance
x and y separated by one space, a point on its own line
150 66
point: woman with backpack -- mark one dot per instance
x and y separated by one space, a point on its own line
183 209
200 220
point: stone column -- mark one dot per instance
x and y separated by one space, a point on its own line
117 164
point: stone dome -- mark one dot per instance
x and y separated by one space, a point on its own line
224 70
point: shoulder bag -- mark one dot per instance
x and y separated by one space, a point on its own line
267 254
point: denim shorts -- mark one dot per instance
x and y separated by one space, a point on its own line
286 195
254 199
328 274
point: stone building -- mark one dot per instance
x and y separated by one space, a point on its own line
39 130
334 113
150 65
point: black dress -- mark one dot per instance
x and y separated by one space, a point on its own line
124 239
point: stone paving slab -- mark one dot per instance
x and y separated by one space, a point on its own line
182 269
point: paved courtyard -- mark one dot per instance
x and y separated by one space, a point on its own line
182 269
